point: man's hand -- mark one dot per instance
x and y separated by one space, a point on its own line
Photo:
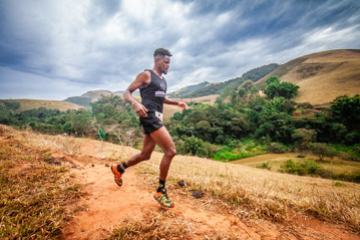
183 105
140 110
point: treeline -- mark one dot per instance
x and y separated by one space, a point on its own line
83 101
240 114
110 118
240 124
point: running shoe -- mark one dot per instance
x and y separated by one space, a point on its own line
163 199
117 175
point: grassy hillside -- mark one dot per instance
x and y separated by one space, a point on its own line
321 76
43 180
26 104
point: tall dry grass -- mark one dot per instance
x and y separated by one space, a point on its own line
34 195
68 144
266 194
155 226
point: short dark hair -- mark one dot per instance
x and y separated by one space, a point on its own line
162 52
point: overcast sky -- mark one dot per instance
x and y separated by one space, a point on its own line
54 49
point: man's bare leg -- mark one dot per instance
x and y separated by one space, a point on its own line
164 140
118 170
148 147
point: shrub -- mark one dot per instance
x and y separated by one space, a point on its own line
276 147
322 150
309 167
265 165
305 105
339 184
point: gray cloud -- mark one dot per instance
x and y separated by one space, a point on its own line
57 49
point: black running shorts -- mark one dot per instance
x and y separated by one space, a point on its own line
150 124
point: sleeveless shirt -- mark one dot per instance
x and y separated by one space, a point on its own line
153 95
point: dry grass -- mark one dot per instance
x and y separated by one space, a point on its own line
262 193
156 226
267 194
50 104
30 139
34 194
153 227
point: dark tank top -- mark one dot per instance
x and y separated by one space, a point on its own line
153 95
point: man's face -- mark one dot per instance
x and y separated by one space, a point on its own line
164 63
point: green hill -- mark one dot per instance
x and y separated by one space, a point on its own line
188 90
216 88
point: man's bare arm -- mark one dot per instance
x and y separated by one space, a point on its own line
173 102
141 79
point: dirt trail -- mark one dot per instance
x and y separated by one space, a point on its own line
106 206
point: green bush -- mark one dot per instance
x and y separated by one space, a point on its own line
340 184
309 167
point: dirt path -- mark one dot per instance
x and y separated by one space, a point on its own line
105 206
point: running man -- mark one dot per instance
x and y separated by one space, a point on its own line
153 96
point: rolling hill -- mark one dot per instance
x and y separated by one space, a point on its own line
95 95
322 76
26 104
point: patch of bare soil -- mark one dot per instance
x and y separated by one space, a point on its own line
106 206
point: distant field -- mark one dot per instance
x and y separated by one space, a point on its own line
322 76
276 160
210 99
26 104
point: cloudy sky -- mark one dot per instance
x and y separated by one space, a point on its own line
52 49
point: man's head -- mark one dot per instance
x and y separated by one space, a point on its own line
162 59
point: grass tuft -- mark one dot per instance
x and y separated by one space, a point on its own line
153 227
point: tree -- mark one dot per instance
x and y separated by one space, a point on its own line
193 145
276 89
322 150
272 79
346 110
303 138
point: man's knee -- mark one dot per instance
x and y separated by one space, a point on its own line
171 152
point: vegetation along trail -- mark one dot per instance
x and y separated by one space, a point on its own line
239 202
111 210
